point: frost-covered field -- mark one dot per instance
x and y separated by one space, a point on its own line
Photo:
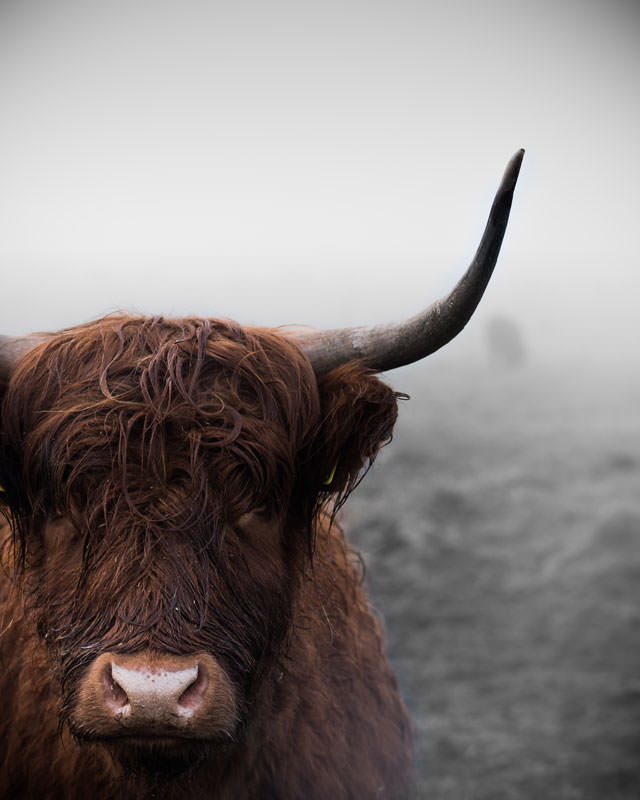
501 532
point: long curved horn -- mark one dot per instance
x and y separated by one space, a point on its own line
385 347
12 349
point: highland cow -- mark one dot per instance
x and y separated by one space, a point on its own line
181 616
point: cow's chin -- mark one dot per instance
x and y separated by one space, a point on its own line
159 757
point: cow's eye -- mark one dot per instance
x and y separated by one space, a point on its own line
244 520
58 530
249 518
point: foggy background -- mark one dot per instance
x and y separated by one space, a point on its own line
319 163
333 164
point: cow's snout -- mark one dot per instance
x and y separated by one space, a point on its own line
152 694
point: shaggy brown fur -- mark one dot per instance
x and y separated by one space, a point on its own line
165 490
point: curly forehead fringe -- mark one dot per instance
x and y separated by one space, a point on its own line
154 413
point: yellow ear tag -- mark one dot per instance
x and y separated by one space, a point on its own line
2 489
329 480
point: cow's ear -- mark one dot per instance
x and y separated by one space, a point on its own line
358 415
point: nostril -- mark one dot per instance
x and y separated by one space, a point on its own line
114 695
193 696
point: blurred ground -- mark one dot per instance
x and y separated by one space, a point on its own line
501 533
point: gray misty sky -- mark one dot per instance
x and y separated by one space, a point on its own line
319 163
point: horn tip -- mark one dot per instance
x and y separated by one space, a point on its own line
513 169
